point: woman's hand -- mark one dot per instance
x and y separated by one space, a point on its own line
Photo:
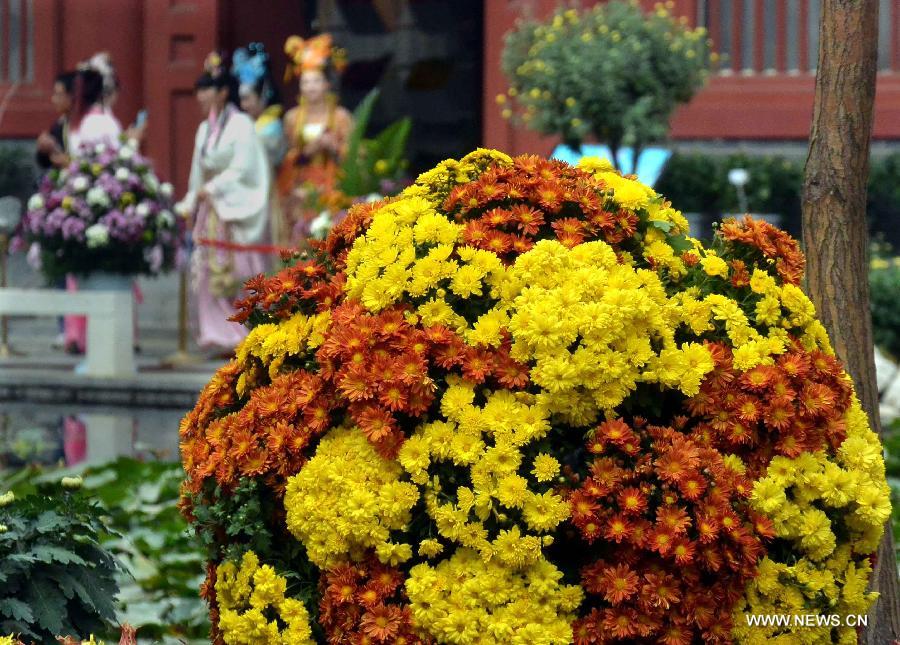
59 159
137 132
47 144
328 141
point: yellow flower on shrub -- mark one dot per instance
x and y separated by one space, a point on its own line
348 499
249 596
611 313
273 343
714 266
831 510
464 600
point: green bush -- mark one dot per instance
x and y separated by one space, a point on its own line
611 73
884 298
16 174
162 564
370 163
892 469
55 577
698 183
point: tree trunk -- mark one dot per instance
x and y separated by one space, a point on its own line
835 232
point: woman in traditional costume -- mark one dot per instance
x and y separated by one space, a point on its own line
228 195
317 131
261 100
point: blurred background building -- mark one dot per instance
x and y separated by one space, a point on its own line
435 60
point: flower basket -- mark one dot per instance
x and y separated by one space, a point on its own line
518 404
105 212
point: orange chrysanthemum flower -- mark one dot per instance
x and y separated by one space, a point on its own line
618 583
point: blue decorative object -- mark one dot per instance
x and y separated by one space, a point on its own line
650 163
249 64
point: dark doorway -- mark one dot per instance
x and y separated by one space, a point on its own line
426 58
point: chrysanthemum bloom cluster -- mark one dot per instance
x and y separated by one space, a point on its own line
365 602
253 607
667 518
517 404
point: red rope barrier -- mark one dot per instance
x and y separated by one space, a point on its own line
252 248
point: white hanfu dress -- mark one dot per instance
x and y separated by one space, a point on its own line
230 162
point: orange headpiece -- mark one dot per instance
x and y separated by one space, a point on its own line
312 54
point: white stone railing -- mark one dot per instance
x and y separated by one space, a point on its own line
110 326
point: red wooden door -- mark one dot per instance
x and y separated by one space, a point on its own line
178 34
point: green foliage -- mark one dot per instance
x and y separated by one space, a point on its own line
697 183
892 469
162 565
884 299
16 178
611 72
242 519
55 577
241 515
370 162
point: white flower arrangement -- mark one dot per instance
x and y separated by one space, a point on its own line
96 196
35 202
97 235
80 184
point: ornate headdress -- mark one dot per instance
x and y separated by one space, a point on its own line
101 62
312 54
249 64
214 65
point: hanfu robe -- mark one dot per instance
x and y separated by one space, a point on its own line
230 163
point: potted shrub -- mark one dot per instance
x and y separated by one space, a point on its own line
105 219
610 73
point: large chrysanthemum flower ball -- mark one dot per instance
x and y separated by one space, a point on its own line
518 404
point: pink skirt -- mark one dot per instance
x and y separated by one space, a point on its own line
75 327
214 330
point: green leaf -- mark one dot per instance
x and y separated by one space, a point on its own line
680 243
16 609
48 604
351 169
665 227
48 553
99 479
49 521
96 597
